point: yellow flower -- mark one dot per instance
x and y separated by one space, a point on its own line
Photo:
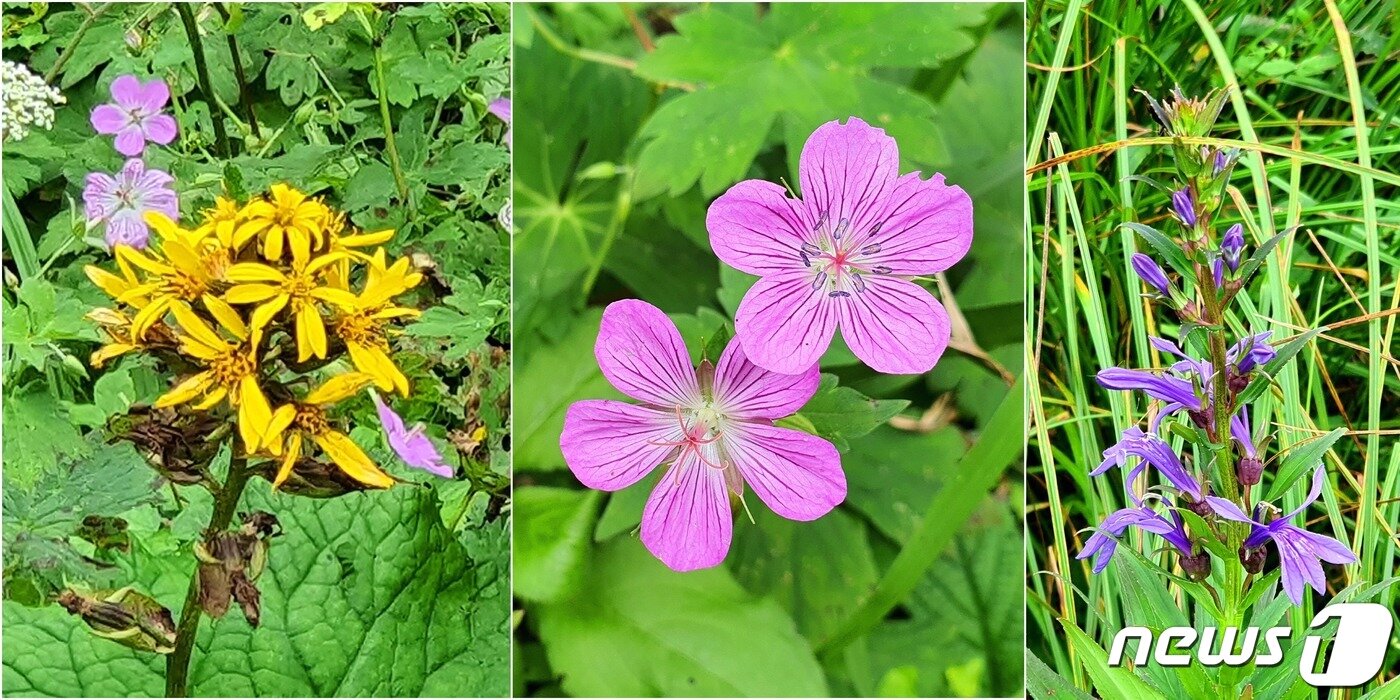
231 369
307 419
117 327
287 218
273 290
117 287
176 270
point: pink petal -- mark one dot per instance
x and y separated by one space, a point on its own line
130 141
785 322
610 445
925 227
641 353
127 91
845 170
798 475
500 107
98 200
755 227
126 227
108 119
687 523
894 326
160 128
745 390
151 96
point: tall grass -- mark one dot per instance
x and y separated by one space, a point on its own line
1316 106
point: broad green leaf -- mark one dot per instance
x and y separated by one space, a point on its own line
890 475
668 634
549 379
552 537
1111 682
1044 684
841 414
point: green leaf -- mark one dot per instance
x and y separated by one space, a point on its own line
841 413
891 474
1299 462
1044 684
668 634
549 379
364 595
1165 247
1110 681
553 529
818 571
1256 259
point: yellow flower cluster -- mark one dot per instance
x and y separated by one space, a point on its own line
242 291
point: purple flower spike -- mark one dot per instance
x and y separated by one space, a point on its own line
1232 246
501 108
121 202
711 429
411 445
134 115
1299 551
843 255
1151 273
1184 205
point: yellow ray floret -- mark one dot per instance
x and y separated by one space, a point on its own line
286 220
306 419
300 288
231 369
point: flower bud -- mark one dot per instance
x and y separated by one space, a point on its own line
1253 559
1217 272
1151 273
1200 507
1237 381
1196 566
1249 470
1184 206
1233 246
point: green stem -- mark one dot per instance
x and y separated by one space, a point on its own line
245 99
390 144
72 47
177 665
201 69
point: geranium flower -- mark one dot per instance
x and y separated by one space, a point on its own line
121 202
1299 551
411 445
134 115
712 428
843 255
501 108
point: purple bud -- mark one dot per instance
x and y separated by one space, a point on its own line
1151 273
1237 382
1196 566
1220 162
1185 206
1250 470
1252 558
1217 271
1232 246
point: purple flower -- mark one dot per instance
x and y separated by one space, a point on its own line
1184 205
1151 273
134 115
842 255
1167 388
412 446
1250 468
711 427
501 108
1232 246
1251 351
1299 550
1104 543
1217 272
1150 451
121 202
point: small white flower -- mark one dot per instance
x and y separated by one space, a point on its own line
504 217
28 101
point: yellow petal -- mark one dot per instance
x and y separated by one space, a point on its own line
253 272
364 240
195 326
272 243
339 297
288 460
300 243
199 350
251 293
254 414
352 460
373 361
248 232
141 260
281 418
322 261
109 351
339 388
264 314
311 333
226 316
184 257
211 399
113 285
185 391
148 315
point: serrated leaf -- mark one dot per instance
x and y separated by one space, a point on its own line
1299 462
840 413
1110 681
1165 247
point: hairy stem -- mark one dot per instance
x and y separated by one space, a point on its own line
390 144
201 69
72 47
177 664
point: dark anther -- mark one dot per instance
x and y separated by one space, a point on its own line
838 294
810 249
821 221
882 270
819 281
871 249
805 260
841 227
858 281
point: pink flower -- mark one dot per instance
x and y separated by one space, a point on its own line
501 108
121 202
135 115
412 446
843 255
713 429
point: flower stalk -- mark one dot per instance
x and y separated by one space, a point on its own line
201 70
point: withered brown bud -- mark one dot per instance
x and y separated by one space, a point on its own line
1196 566
1253 559
313 478
129 618
248 597
229 563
